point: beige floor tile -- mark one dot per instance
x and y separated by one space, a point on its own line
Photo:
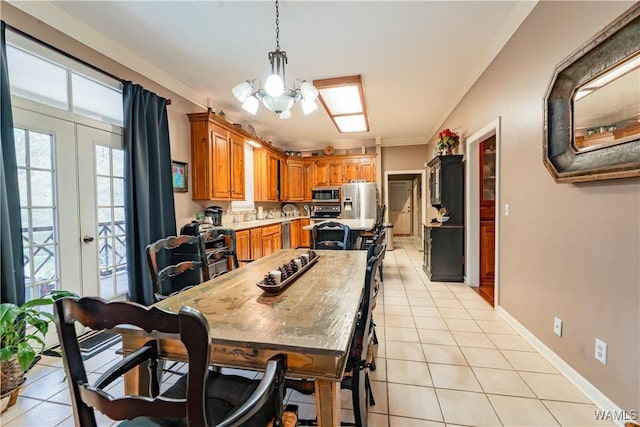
496 327
414 402
399 292
380 394
420 311
398 310
454 377
401 334
44 414
46 386
380 374
529 361
38 372
404 351
399 321
441 292
380 348
432 336
520 411
408 372
430 323
378 420
412 422
466 408
510 342
553 387
421 302
22 405
485 358
448 354
417 293
447 303
478 304
396 300
464 325
502 381
454 313
472 339
575 414
483 314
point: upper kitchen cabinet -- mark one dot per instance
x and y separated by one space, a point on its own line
338 170
217 160
295 179
268 169
308 181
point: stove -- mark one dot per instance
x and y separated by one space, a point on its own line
325 211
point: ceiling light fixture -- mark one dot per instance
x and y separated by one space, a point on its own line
343 98
275 95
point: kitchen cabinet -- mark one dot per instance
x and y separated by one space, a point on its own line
305 235
255 242
336 172
266 175
351 170
271 239
295 233
295 180
243 247
322 174
367 169
308 180
444 243
487 210
217 160
444 253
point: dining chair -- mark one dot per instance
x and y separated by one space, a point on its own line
356 374
232 246
330 235
366 237
199 398
176 263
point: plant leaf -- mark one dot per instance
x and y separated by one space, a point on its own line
26 355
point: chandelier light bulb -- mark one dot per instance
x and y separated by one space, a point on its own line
285 114
308 107
308 91
251 105
242 91
274 85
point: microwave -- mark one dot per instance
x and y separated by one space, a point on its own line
325 194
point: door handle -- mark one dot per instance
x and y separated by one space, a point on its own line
87 239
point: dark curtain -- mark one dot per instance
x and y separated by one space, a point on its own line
149 209
12 267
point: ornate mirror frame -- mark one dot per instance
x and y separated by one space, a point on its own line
617 42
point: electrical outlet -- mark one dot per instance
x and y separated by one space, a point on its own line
557 326
506 209
601 351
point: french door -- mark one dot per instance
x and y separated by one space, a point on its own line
72 204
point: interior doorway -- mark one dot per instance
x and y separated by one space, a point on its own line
482 207
404 195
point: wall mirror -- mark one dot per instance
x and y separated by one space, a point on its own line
592 107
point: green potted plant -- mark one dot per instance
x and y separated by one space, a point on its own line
22 332
448 140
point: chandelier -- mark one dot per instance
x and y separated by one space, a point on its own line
275 96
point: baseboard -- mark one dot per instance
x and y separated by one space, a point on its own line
596 396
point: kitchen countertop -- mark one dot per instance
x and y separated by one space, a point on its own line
245 225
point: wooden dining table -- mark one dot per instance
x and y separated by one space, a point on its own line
311 321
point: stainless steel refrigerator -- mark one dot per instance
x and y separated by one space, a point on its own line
359 200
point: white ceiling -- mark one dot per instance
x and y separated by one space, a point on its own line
416 58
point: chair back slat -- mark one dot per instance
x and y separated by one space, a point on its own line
330 235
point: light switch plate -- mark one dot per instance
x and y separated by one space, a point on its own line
601 351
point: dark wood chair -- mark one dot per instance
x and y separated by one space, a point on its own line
232 247
200 398
366 237
330 235
176 263
356 375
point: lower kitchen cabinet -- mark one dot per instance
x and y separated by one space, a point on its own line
255 242
295 233
444 253
271 239
305 235
243 248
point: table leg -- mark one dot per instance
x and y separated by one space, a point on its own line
327 403
136 380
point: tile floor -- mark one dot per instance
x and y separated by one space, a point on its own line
444 358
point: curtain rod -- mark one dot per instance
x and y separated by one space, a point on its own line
68 55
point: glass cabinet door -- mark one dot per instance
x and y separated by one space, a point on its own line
488 171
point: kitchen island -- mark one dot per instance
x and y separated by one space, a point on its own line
356 226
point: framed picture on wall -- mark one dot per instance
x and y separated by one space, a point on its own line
180 177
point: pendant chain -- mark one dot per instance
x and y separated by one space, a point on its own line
277 27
